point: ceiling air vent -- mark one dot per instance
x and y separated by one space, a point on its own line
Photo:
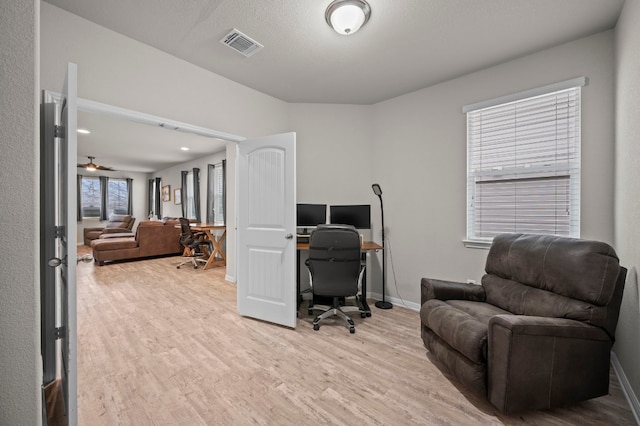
241 43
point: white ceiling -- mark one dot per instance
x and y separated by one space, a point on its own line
405 46
130 146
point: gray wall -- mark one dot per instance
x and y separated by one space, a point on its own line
20 365
627 193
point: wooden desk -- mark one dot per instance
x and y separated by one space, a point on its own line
366 246
209 229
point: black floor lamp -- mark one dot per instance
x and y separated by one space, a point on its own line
382 304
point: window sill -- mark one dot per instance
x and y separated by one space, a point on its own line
477 244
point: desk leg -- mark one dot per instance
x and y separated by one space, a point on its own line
363 296
299 295
217 249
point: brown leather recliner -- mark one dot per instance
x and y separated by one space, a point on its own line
117 223
539 330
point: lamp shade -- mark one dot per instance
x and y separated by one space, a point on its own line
347 16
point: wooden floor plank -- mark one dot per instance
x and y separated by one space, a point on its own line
164 346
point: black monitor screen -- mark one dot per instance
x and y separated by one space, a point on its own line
311 214
355 215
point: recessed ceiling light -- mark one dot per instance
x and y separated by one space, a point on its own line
84 131
184 148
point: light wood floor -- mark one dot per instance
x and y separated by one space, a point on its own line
162 346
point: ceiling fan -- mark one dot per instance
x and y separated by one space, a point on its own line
91 166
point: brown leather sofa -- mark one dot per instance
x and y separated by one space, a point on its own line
117 223
152 238
539 330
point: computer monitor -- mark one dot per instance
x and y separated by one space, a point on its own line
358 216
309 215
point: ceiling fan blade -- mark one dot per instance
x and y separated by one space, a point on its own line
109 169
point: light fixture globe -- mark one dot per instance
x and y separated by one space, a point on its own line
347 16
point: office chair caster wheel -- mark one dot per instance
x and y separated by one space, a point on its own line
177 267
316 327
368 314
363 314
352 329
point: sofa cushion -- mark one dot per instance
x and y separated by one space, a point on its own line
525 300
113 244
462 324
556 264
117 235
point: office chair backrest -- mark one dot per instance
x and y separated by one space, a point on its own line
334 260
186 234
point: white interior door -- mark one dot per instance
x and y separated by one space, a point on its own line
266 284
60 226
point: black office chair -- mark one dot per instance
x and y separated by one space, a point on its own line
335 271
192 242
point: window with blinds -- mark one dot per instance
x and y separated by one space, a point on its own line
523 166
216 194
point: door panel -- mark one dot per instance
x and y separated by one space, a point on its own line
59 236
266 229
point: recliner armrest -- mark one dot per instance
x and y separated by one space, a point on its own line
448 290
540 362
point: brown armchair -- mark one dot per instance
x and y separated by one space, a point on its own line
117 223
539 330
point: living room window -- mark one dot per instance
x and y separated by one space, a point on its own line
90 197
523 164
191 208
216 194
101 196
117 197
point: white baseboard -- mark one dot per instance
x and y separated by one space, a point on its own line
230 278
395 301
626 387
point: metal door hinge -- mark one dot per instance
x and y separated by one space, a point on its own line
58 131
60 332
59 232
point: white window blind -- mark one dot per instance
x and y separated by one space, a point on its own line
523 167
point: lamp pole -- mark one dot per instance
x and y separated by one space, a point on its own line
382 304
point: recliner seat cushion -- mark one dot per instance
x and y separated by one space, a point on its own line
462 324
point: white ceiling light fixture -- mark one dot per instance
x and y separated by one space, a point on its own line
347 16
83 131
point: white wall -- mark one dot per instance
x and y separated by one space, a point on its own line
333 157
20 361
172 176
419 159
627 193
139 194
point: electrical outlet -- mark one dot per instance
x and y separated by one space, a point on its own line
470 281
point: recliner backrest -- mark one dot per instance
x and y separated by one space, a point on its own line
552 276
334 260
123 221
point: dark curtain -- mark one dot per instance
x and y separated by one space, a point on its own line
104 197
185 174
196 193
224 191
150 198
79 198
158 189
129 196
210 193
